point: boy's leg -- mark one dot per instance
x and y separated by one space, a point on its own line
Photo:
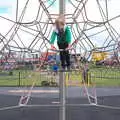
67 56
62 58
68 59
62 55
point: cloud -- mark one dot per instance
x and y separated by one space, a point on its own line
8 10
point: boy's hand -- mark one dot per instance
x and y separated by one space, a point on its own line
53 47
69 46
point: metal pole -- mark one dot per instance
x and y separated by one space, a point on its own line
62 7
19 79
62 75
62 96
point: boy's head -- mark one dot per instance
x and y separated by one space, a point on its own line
60 22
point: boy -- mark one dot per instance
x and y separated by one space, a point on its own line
63 34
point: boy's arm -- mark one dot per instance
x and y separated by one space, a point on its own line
68 35
53 37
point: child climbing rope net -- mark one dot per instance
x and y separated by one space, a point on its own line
63 34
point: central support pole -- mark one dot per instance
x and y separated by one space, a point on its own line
62 96
62 7
62 76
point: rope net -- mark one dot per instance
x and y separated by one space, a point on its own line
26 39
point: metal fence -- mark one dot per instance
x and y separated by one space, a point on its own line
101 77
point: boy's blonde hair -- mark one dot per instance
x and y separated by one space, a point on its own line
60 20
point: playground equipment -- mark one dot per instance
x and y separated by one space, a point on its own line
27 36
98 56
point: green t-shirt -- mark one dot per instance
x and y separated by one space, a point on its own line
65 38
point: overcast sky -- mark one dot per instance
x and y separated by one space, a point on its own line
8 10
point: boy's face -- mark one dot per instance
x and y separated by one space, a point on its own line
59 25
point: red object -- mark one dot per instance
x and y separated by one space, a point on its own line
53 47
76 41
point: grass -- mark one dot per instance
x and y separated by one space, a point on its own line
101 77
106 77
23 78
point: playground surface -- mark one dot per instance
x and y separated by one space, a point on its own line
43 104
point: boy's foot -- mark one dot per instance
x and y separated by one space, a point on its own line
63 69
68 68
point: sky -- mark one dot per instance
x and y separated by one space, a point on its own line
8 10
